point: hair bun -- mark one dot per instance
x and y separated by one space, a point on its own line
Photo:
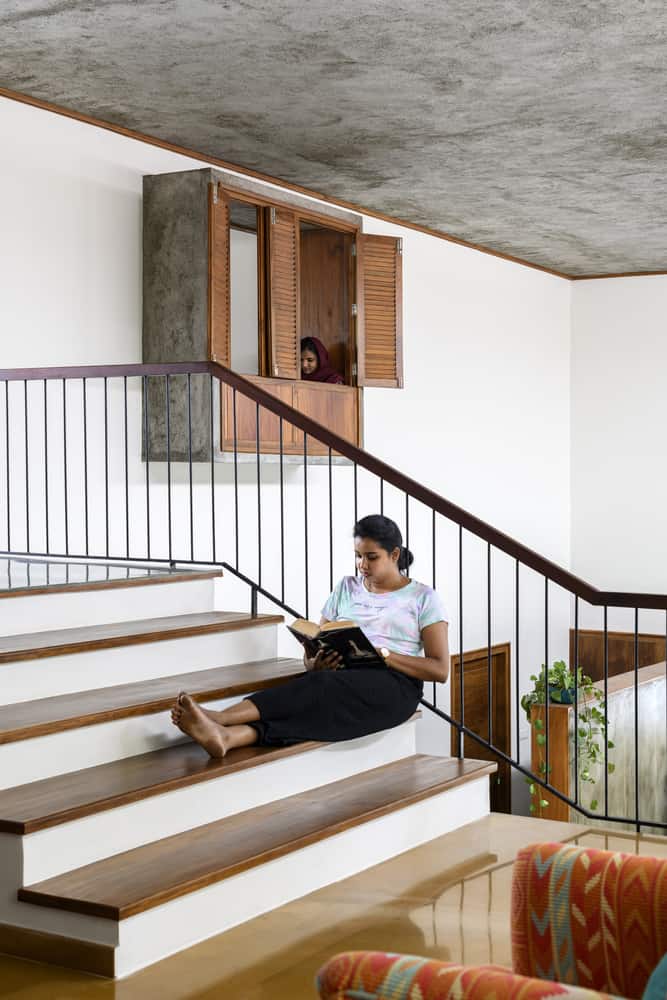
406 559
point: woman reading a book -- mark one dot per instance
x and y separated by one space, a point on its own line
403 619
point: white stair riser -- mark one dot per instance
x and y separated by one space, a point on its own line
86 746
159 932
28 680
43 612
83 841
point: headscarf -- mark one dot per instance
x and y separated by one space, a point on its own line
325 372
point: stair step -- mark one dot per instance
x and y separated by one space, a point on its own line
146 877
29 719
58 642
53 801
31 577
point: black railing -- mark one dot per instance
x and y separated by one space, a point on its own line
132 463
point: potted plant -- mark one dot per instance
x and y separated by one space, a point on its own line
591 725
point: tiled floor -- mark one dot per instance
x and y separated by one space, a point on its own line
449 899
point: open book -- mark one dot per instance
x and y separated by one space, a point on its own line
345 638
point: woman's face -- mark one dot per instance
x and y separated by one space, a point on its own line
309 362
373 562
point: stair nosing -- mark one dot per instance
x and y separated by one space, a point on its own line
139 794
177 890
148 707
138 638
135 581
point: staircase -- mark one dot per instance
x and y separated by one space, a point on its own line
121 842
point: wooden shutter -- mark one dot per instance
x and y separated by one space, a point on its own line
284 326
379 311
219 311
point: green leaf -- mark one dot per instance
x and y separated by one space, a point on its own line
611 768
531 807
611 744
594 804
544 803
541 740
538 724
531 788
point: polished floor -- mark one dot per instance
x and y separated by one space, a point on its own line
449 899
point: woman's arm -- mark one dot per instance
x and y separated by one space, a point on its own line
434 664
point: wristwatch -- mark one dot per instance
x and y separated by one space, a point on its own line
385 653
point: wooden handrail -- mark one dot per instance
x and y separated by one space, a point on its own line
498 539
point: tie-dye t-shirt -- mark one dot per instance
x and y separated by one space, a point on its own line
394 620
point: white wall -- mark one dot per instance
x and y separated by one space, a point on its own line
484 418
619 444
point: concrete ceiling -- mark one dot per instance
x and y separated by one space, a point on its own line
531 127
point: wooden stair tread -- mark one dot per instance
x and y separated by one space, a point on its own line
27 719
77 577
52 801
36 645
137 880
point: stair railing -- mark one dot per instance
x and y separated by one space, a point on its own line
191 463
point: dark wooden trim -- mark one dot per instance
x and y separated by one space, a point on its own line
59 642
498 539
617 274
57 109
50 802
57 714
134 581
146 877
268 201
55 949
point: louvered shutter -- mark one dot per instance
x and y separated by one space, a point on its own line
284 331
219 313
379 311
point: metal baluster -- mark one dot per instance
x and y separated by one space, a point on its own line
106 465
85 461
305 512
407 523
282 514
167 399
46 467
459 751
546 680
65 466
433 582
606 713
382 496
212 469
576 700
9 522
517 679
259 501
236 479
147 450
27 466
127 487
330 525
489 662
356 511
636 659
192 530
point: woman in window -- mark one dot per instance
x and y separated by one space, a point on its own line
404 619
315 364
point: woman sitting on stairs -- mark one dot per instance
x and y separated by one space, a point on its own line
404 619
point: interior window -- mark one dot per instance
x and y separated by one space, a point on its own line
325 279
243 264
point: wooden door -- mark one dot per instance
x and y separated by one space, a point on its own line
380 311
283 292
325 297
476 716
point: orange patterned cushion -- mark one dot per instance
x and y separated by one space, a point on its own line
377 975
589 917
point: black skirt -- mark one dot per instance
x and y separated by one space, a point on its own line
333 705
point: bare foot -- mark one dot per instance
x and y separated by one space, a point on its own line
192 720
177 711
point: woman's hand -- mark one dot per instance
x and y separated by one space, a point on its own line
324 659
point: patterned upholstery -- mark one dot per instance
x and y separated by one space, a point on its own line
589 917
585 924
376 975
